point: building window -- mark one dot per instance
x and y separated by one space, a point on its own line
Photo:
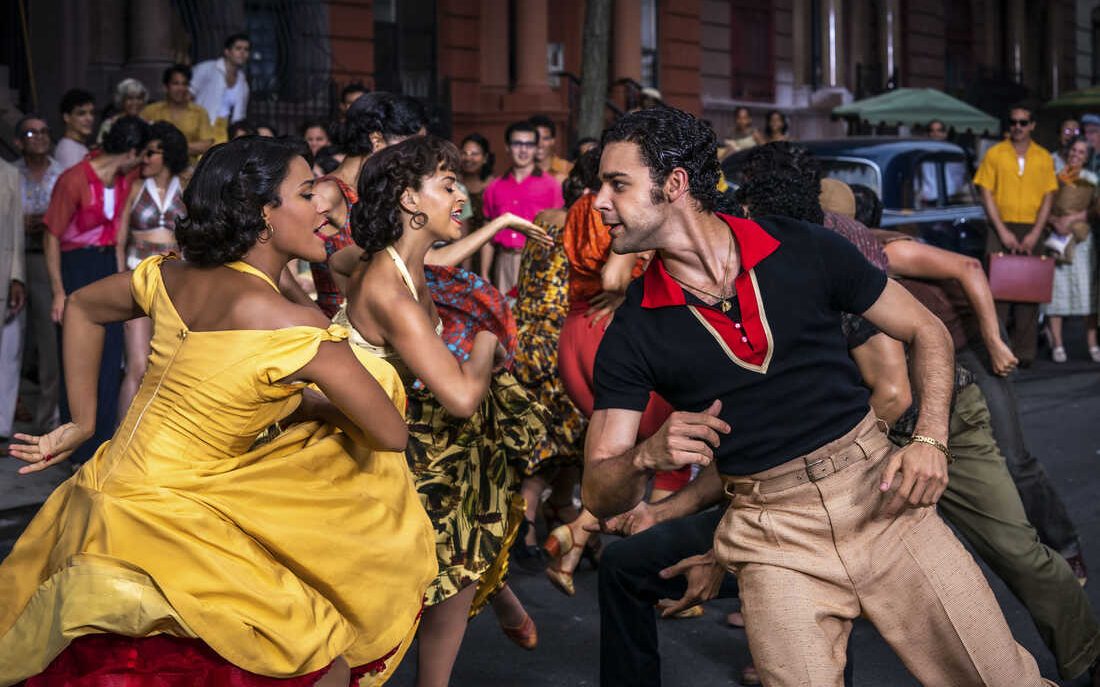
404 47
649 43
752 73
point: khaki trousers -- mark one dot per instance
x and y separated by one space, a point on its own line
812 558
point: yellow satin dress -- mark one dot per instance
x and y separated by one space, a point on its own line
280 557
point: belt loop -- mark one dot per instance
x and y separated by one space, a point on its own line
859 442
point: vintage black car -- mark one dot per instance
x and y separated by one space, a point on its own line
924 185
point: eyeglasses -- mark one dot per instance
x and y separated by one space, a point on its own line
523 144
31 133
1019 122
1071 132
152 153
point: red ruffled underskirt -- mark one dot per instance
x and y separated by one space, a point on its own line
107 660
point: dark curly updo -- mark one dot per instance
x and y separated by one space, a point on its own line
225 199
376 218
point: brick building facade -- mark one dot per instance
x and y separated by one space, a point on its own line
484 63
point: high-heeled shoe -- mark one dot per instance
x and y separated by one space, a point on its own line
561 579
559 543
526 636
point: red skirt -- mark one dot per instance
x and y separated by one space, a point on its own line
109 660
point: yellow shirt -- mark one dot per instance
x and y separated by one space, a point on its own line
1017 193
193 122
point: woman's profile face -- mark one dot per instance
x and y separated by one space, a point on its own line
775 123
441 200
296 221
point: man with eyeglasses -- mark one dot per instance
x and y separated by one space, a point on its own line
1017 184
38 173
523 190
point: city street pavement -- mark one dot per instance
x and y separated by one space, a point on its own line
1061 412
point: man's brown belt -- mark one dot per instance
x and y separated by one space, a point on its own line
814 470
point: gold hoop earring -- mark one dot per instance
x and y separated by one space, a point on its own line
266 233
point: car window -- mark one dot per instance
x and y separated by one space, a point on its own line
852 172
939 181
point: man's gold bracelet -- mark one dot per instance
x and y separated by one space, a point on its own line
921 439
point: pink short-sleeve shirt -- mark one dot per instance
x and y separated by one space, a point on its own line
524 199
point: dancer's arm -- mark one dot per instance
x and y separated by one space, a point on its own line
459 387
921 261
356 402
344 261
615 276
86 312
616 470
699 494
455 252
881 362
923 467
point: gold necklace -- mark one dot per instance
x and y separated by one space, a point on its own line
723 301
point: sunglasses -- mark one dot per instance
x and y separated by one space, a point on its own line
31 133
936 130
1019 122
523 144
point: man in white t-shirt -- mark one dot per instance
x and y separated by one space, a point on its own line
221 86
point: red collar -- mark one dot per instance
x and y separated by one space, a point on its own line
753 243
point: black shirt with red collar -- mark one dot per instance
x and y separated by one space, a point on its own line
777 359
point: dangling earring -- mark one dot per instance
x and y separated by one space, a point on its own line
419 219
267 232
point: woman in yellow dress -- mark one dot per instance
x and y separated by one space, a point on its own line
185 548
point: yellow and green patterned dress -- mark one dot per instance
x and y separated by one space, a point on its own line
540 311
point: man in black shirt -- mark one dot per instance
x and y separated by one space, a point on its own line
737 324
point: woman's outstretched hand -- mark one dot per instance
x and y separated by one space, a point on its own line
528 229
47 450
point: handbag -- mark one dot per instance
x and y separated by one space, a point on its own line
1021 278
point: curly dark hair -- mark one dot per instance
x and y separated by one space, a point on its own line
669 138
490 159
181 69
74 98
174 144
585 176
391 114
126 134
225 199
781 179
376 218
